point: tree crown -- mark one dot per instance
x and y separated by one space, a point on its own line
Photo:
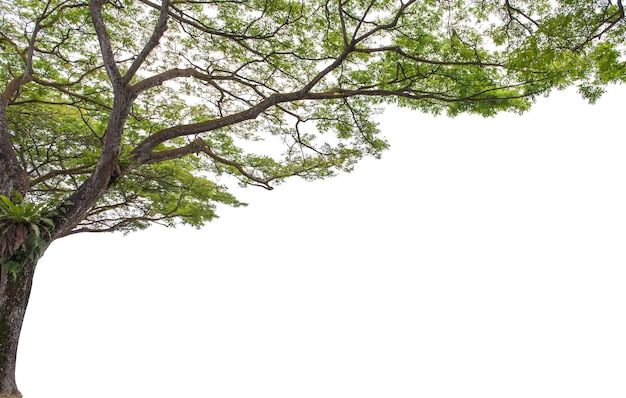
122 113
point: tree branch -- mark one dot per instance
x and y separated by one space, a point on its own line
264 182
404 54
162 77
62 88
199 146
142 152
157 33
95 8
54 173
509 8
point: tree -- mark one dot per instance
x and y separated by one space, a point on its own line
118 114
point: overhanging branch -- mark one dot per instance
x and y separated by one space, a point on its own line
199 146
157 33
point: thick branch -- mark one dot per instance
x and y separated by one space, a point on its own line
95 8
142 152
158 32
177 153
161 78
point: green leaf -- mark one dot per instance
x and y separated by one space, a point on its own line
254 92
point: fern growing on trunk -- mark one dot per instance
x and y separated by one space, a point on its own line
24 227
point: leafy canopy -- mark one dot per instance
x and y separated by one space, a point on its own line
122 113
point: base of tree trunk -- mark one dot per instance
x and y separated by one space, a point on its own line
14 295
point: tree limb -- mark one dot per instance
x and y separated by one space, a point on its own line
157 33
95 8
55 173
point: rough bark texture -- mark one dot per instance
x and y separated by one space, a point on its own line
12 175
14 294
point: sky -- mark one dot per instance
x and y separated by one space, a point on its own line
478 258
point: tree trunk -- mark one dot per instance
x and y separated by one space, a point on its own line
14 294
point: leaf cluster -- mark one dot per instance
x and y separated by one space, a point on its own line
24 230
259 91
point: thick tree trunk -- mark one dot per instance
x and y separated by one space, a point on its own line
12 175
14 294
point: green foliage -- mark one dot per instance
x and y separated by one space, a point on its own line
196 117
24 229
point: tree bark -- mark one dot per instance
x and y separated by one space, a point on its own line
14 292
14 295
12 175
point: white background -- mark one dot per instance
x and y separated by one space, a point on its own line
479 258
